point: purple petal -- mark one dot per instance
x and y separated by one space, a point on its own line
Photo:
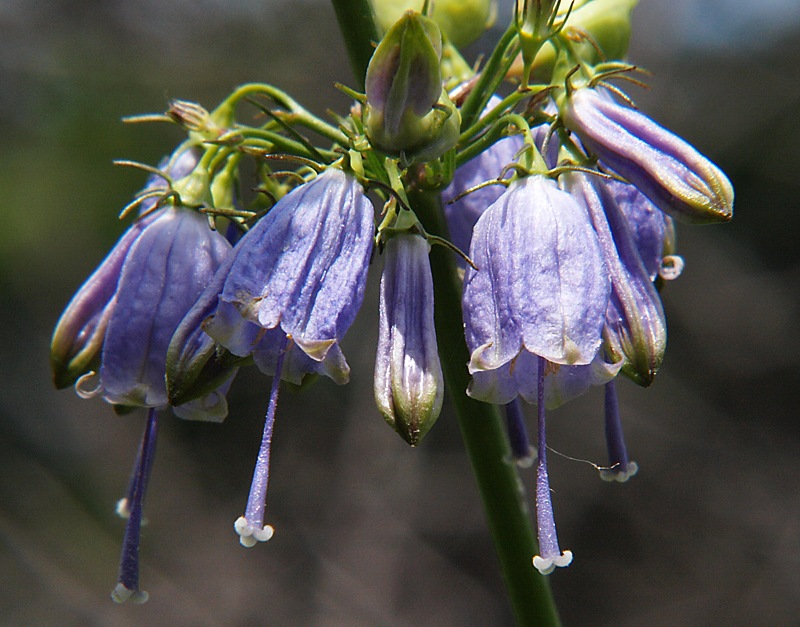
541 283
301 271
519 377
79 334
462 214
668 170
635 324
165 271
646 223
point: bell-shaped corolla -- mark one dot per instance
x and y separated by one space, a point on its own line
539 288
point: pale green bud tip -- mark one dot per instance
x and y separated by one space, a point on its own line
121 594
250 535
547 565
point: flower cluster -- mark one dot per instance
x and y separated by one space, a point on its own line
560 198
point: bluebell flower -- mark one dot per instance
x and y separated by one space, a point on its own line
534 309
540 288
112 339
408 376
669 171
287 296
635 329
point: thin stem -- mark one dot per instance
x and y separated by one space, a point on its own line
484 435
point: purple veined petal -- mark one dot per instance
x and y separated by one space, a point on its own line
462 214
635 328
195 363
304 264
497 386
562 383
165 271
79 334
541 283
669 171
519 378
647 224
409 387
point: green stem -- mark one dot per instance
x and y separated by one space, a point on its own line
359 30
484 435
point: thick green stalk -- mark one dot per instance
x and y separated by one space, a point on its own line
484 435
359 30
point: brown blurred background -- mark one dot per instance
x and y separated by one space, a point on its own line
368 531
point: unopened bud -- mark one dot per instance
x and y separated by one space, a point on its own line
669 171
408 377
408 112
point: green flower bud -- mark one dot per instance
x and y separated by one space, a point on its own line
461 21
606 22
408 112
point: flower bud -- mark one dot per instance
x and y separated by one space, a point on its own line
408 112
461 21
408 377
669 171
606 25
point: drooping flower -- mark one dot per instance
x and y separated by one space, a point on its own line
540 288
112 338
635 329
300 273
408 377
669 171
533 311
287 296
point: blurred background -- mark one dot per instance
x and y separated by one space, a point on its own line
369 531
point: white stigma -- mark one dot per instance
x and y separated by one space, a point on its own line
671 267
546 565
123 509
612 474
120 594
249 535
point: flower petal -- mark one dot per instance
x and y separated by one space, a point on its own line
165 271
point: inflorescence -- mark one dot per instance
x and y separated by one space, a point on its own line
560 198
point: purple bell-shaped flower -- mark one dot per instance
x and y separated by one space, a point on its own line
287 296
